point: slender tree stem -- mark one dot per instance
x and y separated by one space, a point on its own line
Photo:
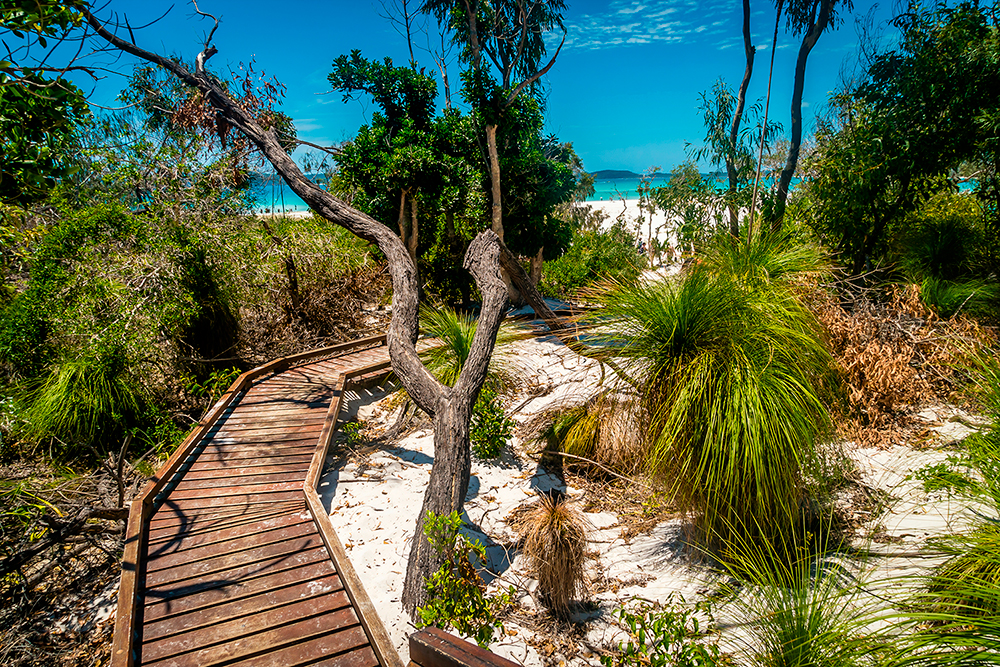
763 129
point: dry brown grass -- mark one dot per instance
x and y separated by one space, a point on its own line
554 540
336 310
893 355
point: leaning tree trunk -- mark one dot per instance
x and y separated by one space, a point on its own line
734 131
808 42
449 407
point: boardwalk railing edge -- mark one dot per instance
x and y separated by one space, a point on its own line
141 507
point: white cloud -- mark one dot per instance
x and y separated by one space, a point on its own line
633 22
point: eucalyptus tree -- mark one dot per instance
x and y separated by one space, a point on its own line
723 113
510 35
449 407
811 18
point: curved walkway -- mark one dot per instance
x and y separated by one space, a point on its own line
230 558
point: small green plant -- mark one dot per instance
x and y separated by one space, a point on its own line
944 476
352 433
456 593
490 428
214 386
667 635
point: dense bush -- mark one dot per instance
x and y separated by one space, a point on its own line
593 255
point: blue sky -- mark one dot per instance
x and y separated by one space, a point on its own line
625 88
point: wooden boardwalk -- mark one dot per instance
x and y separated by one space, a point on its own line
230 557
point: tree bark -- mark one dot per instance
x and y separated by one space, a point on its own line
734 131
449 480
497 210
411 246
537 261
808 42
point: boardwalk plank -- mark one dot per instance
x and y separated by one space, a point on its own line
235 571
260 603
246 636
252 585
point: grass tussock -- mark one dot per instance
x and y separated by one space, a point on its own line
730 373
802 601
605 430
88 402
456 330
554 540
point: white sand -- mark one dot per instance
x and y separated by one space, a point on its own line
374 506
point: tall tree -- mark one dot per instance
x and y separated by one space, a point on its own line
810 18
411 165
511 35
449 407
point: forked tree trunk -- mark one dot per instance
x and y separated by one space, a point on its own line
449 407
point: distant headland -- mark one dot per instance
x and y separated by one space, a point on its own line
605 174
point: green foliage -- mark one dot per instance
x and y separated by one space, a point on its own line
38 115
924 108
214 386
668 635
490 428
944 239
943 476
38 119
401 92
690 199
455 331
592 256
731 372
89 402
949 298
803 604
456 593
352 433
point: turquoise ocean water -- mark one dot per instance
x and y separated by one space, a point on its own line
272 194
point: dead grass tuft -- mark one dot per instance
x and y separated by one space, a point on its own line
554 536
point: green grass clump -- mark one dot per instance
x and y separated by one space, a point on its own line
803 611
87 403
729 368
949 298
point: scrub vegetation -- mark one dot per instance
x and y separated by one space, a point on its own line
139 279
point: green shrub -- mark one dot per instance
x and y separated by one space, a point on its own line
490 428
731 373
948 298
945 239
592 256
456 593
668 635
87 402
